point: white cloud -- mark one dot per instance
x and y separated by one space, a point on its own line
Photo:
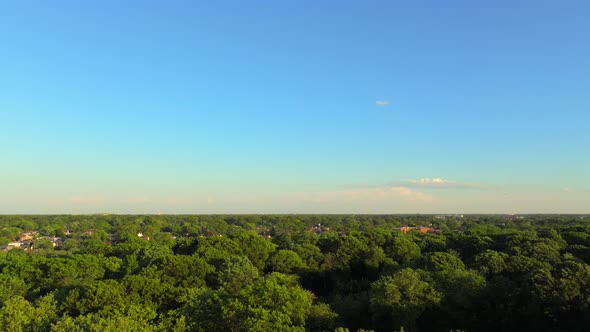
383 102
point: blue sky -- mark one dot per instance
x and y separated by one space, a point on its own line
294 106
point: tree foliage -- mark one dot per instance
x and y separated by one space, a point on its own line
295 273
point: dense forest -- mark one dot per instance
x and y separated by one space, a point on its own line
295 273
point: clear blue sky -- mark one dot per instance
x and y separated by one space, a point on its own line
294 106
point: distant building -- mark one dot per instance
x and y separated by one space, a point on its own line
319 229
55 241
406 229
26 236
15 244
429 230
89 232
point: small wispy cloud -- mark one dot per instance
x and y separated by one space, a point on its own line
369 194
137 200
431 181
411 194
382 102
78 200
439 183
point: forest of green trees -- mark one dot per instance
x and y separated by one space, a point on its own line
295 273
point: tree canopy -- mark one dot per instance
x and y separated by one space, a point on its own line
294 273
